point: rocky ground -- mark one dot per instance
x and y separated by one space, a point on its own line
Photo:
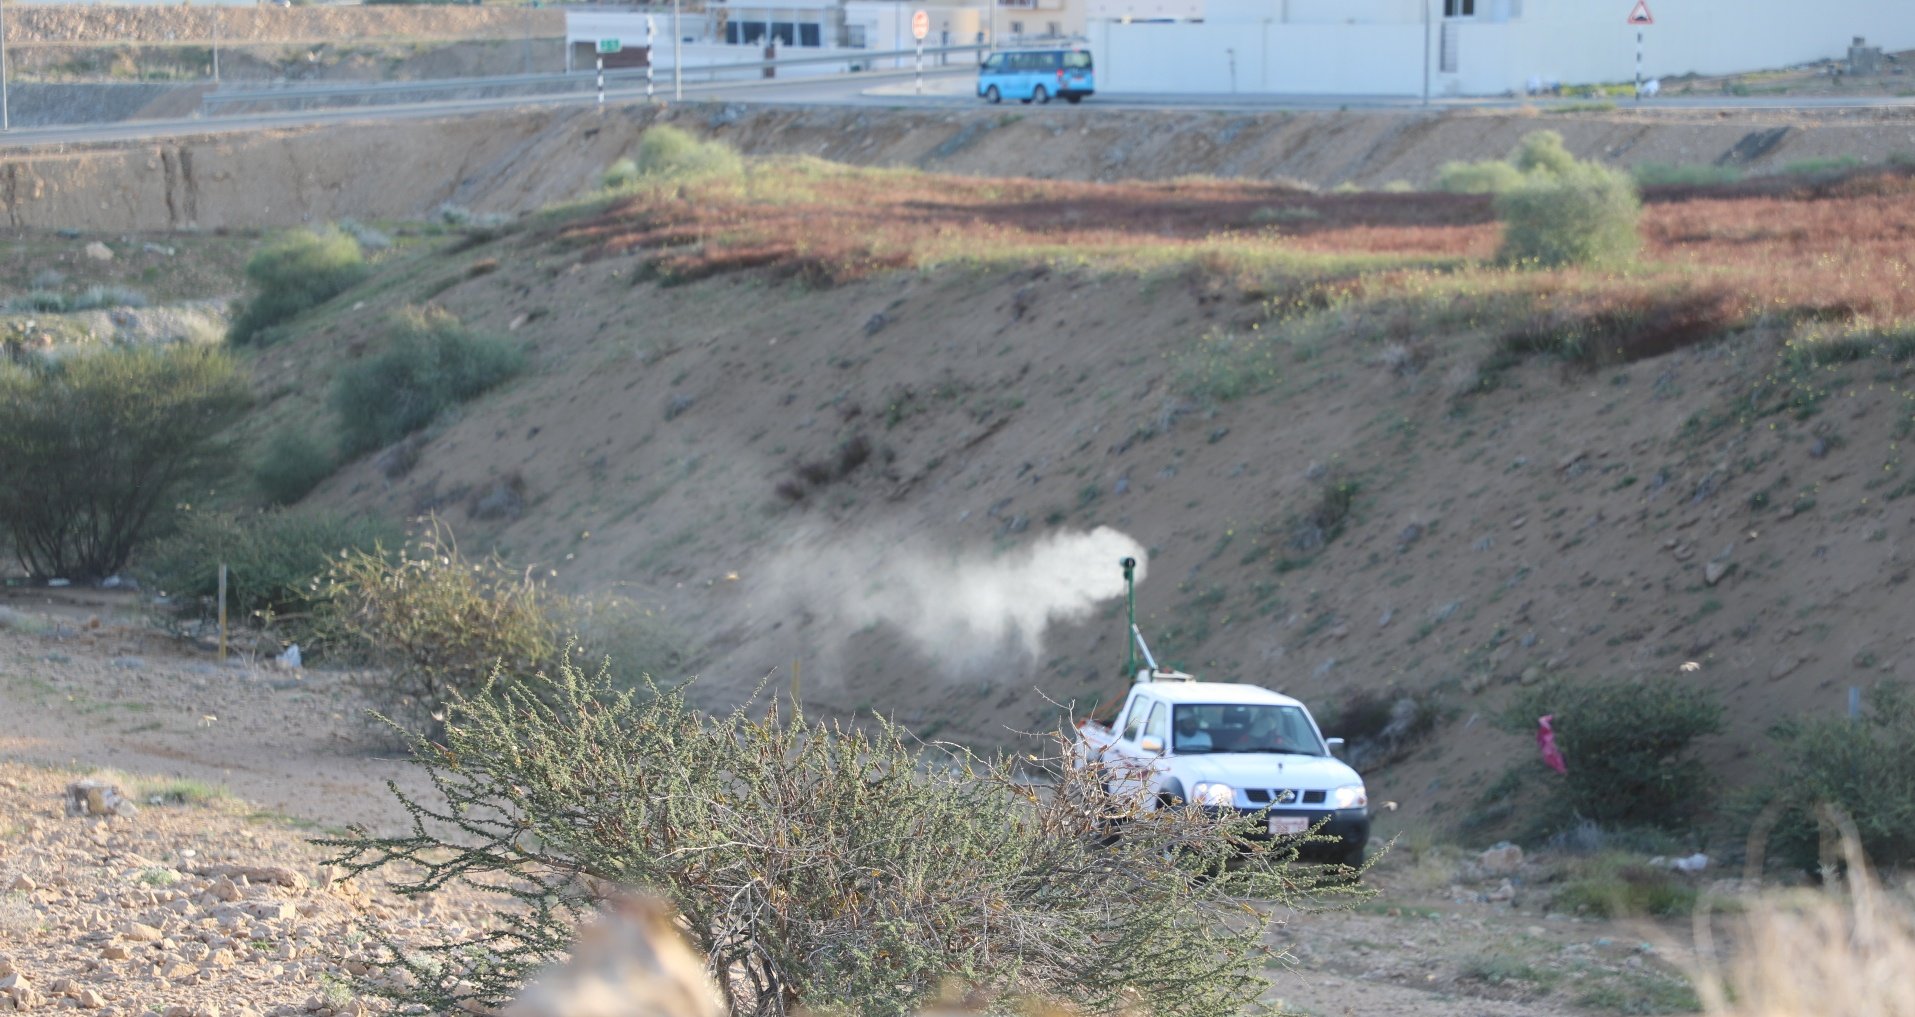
181 909
210 901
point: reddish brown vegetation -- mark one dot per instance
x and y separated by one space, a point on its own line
1836 246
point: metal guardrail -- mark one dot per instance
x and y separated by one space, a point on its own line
560 81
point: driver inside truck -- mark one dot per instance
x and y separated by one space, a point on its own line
1190 737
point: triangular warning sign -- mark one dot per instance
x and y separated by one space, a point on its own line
1640 15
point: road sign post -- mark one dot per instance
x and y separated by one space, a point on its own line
920 27
604 46
1638 17
651 50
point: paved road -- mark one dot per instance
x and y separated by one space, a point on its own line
943 88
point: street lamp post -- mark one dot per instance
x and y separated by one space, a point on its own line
6 123
678 76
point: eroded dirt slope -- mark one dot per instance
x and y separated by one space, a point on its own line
520 161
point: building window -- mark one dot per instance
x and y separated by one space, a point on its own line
1017 28
854 37
1459 8
808 35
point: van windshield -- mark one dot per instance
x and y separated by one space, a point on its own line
1203 728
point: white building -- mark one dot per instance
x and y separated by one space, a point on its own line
1464 47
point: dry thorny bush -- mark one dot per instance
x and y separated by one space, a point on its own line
815 866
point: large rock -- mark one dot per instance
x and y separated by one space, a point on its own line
140 933
1504 859
98 798
279 874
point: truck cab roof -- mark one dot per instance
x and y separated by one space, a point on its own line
1221 693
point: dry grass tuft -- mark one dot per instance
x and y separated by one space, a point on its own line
1835 952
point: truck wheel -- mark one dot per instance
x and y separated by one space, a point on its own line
1041 95
1171 796
992 96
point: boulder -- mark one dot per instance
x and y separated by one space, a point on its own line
1503 859
98 798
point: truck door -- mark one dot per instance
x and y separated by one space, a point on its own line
1133 760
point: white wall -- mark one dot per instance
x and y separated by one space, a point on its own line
1315 12
887 26
1267 57
1580 42
1568 41
1142 10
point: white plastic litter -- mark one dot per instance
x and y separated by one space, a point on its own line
291 657
1693 863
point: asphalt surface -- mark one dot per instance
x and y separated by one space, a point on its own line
941 87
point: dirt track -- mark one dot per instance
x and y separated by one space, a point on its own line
523 160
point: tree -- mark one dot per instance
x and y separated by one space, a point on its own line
838 870
97 448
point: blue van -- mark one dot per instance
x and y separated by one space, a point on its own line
1036 75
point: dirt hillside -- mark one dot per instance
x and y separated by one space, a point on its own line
1724 503
520 161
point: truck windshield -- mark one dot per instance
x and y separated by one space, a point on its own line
1245 728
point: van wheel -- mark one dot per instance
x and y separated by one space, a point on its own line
991 95
1073 99
1040 95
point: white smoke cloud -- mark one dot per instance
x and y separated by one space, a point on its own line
966 609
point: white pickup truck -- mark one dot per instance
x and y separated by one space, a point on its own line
1230 746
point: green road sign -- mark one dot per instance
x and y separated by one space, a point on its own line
610 45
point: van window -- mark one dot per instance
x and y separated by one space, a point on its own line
1158 726
995 63
1134 724
1077 60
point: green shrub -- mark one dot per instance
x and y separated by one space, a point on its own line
1582 216
431 363
273 559
440 621
1224 366
1863 767
1556 209
97 448
1824 166
622 173
290 465
1619 887
1489 177
1658 174
1627 746
38 302
667 154
293 273
94 297
820 867
1543 152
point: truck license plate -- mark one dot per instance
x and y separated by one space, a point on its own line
1288 825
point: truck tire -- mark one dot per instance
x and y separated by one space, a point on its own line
1171 795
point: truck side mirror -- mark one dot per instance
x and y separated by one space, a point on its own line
1151 744
1335 744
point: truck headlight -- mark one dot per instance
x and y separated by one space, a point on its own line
1350 796
1221 795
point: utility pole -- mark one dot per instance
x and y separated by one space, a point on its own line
678 36
1426 51
215 44
6 123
